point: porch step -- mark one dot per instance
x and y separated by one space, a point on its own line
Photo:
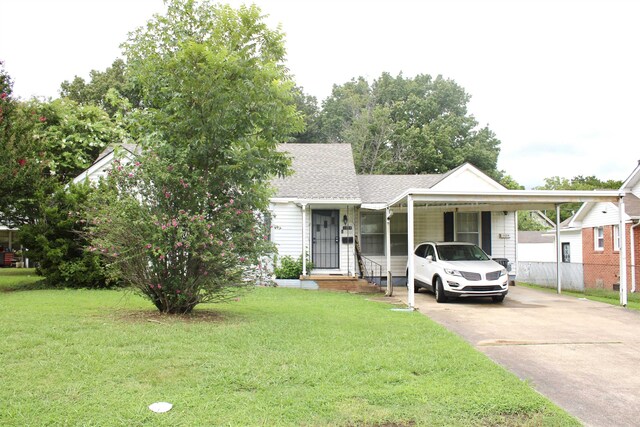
342 283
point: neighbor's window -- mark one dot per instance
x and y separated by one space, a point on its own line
372 233
468 227
616 237
598 238
399 234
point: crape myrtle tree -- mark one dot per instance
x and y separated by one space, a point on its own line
182 223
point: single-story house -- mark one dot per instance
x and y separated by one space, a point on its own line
342 221
324 209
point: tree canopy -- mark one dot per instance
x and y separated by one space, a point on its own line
402 125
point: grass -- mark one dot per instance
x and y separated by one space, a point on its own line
275 357
601 295
13 279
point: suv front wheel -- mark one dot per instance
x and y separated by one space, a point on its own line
439 290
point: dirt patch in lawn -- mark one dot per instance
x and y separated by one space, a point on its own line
197 316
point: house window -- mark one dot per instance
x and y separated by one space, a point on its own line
566 252
598 238
468 227
616 237
399 234
372 233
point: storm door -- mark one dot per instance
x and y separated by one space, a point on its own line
325 239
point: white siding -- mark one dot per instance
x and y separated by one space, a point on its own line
636 189
603 213
537 252
286 233
467 180
574 238
504 247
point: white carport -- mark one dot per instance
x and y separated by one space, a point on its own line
502 200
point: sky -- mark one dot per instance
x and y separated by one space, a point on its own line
557 81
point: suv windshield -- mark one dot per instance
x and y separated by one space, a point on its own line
461 253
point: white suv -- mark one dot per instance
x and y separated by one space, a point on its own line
456 269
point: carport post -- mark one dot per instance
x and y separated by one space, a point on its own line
410 243
558 250
622 230
387 244
304 239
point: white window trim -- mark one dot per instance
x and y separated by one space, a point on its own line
597 239
616 238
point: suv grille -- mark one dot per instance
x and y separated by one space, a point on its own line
481 288
471 276
494 275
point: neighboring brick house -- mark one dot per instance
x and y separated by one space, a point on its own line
601 241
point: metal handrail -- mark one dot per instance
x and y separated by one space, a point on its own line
372 271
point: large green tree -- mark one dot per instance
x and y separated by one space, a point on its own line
408 125
44 145
182 223
96 90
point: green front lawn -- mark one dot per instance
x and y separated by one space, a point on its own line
18 279
275 357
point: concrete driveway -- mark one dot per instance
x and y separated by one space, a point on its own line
583 355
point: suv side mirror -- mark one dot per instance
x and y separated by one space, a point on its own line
429 258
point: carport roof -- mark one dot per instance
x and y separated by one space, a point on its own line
503 200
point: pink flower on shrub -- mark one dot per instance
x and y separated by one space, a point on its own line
148 246
159 286
161 257
179 244
164 227
42 119
174 222
167 194
231 201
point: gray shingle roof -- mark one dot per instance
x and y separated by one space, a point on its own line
385 188
321 172
536 237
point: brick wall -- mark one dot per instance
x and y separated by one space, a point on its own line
602 268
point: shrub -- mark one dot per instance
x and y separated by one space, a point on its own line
56 243
291 268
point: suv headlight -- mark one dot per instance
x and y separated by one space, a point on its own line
503 272
452 272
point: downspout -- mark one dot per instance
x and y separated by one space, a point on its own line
304 239
633 257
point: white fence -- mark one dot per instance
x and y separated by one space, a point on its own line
544 274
